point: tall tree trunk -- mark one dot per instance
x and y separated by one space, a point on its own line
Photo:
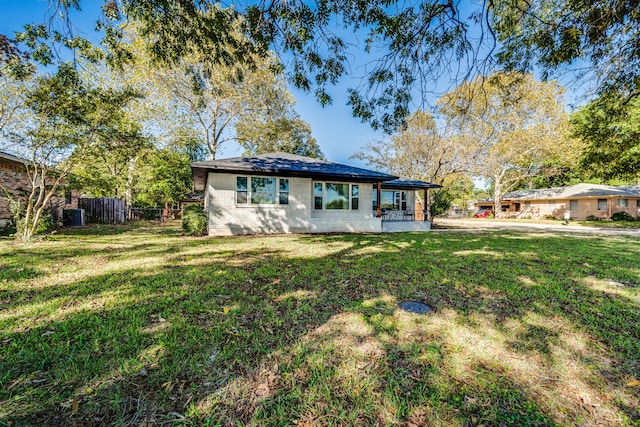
128 193
497 197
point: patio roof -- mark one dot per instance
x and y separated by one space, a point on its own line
405 184
285 164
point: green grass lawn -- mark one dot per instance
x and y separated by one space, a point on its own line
136 325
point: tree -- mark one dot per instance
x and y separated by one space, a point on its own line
65 120
610 128
212 100
12 98
602 37
513 123
165 177
418 151
440 202
287 133
413 43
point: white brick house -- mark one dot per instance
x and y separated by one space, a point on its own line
285 193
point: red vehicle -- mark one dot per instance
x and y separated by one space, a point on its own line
483 213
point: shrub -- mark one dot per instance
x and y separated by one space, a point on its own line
592 218
46 224
622 216
440 203
194 220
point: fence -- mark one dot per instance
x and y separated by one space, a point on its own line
103 210
144 213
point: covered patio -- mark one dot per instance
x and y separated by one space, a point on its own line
401 204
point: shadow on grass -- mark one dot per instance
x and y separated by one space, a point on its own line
223 334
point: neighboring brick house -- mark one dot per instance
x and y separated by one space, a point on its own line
582 200
285 193
14 179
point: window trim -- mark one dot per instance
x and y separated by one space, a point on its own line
577 205
323 196
249 192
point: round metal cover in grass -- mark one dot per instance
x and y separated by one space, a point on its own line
415 307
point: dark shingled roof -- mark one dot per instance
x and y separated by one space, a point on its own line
405 184
574 192
13 158
284 164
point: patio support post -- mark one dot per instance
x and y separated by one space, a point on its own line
425 210
378 193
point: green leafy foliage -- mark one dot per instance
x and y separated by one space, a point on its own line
411 45
549 34
194 220
511 124
610 127
622 216
440 202
63 121
287 133
164 177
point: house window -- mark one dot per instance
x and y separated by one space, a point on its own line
258 190
623 203
355 195
602 204
573 205
317 195
284 191
337 196
241 190
527 206
392 200
263 191
552 206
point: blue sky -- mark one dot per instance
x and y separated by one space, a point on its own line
338 133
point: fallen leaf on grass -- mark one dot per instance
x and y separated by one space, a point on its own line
634 383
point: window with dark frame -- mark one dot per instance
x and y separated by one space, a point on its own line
284 191
337 196
317 195
355 196
242 190
602 204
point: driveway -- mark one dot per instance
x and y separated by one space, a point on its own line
490 224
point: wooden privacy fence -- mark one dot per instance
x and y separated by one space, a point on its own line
102 210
